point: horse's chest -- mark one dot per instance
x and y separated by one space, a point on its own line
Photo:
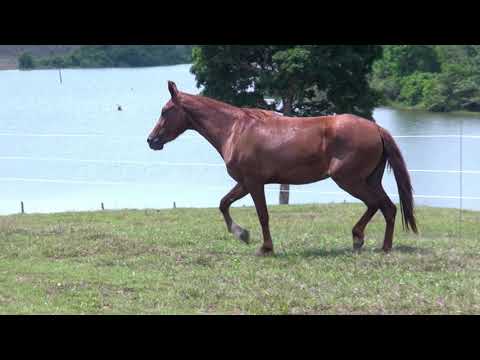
237 164
243 162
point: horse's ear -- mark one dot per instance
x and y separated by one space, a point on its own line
173 91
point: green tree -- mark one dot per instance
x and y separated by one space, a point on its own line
404 60
25 61
414 87
304 79
434 95
436 78
58 62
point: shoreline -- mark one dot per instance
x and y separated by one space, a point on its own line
91 68
8 64
400 107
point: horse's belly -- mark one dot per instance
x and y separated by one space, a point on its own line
288 162
300 174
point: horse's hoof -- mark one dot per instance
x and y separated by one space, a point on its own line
357 249
357 244
264 252
241 234
386 250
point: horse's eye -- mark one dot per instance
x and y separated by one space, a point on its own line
165 111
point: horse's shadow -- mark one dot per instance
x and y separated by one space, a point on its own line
319 252
336 252
406 249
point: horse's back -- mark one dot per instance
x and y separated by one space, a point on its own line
345 142
301 150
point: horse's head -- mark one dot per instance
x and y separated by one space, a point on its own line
172 123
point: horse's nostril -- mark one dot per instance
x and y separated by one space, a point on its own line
149 141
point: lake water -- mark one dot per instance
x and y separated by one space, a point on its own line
66 147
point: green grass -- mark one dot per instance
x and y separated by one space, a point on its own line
183 261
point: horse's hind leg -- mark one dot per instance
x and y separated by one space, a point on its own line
387 207
389 211
373 181
358 231
375 198
235 194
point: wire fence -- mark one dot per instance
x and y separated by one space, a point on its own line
460 171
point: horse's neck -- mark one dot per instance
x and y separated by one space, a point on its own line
215 125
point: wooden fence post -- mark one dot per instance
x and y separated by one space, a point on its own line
21 206
284 194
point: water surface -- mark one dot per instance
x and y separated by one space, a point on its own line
66 147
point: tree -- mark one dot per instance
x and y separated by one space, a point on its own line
25 61
415 86
304 80
435 78
404 60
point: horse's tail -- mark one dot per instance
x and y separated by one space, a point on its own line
405 191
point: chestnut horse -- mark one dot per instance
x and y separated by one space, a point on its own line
260 147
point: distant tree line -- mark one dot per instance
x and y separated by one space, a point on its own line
99 56
438 78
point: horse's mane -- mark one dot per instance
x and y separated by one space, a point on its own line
220 105
210 102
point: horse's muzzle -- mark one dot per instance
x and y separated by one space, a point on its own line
155 144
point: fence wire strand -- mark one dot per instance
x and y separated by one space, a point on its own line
187 137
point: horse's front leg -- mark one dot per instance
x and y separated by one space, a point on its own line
258 195
235 194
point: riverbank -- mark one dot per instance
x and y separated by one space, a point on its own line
8 63
183 261
419 108
9 54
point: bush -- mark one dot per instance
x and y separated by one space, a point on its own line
413 87
25 61
388 88
435 97
58 62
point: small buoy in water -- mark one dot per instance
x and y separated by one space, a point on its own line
119 108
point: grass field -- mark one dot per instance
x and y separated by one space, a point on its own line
183 261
